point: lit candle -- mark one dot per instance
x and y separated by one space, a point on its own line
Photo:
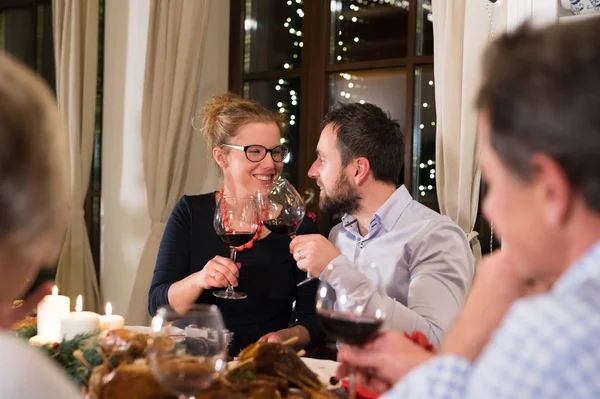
111 321
49 311
78 322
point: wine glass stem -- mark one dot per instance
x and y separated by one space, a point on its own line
232 256
309 276
352 388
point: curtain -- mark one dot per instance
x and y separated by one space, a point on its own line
176 37
461 31
75 26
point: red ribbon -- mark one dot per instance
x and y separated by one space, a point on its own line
420 339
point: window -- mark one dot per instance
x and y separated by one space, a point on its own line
26 34
299 57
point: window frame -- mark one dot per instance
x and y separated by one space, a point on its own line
314 78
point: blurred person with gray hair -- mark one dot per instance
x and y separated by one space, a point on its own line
33 205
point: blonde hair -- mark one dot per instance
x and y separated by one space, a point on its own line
222 117
32 158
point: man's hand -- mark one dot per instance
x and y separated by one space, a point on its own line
301 333
9 315
313 252
383 361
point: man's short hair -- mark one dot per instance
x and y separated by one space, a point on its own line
541 91
364 130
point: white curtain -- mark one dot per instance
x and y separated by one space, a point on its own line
461 30
176 37
75 25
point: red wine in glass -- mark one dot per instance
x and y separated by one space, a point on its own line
281 226
235 222
350 315
348 328
236 239
283 211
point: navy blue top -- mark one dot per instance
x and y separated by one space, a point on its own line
268 274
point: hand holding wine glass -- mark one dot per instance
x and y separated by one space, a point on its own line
283 211
350 316
236 222
187 350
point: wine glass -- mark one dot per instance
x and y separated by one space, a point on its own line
187 350
236 222
283 211
349 315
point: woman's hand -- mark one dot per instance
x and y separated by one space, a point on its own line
218 272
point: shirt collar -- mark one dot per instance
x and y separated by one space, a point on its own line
586 267
388 213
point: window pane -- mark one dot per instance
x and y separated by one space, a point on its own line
424 189
19 33
282 95
26 34
385 88
272 35
45 56
363 30
424 45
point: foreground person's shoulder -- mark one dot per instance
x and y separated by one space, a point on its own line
26 372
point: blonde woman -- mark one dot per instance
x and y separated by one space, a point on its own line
193 261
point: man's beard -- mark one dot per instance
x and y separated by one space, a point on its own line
344 199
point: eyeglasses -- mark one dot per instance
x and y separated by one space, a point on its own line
256 152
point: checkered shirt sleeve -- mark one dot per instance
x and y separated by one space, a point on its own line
548 347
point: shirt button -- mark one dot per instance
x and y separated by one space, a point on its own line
362 244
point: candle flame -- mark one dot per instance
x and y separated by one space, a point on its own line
79 304
108 308
55 290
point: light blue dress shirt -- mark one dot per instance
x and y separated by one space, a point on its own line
424 259
547 347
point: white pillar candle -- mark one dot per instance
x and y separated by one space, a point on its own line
111 321
49 312
78 322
